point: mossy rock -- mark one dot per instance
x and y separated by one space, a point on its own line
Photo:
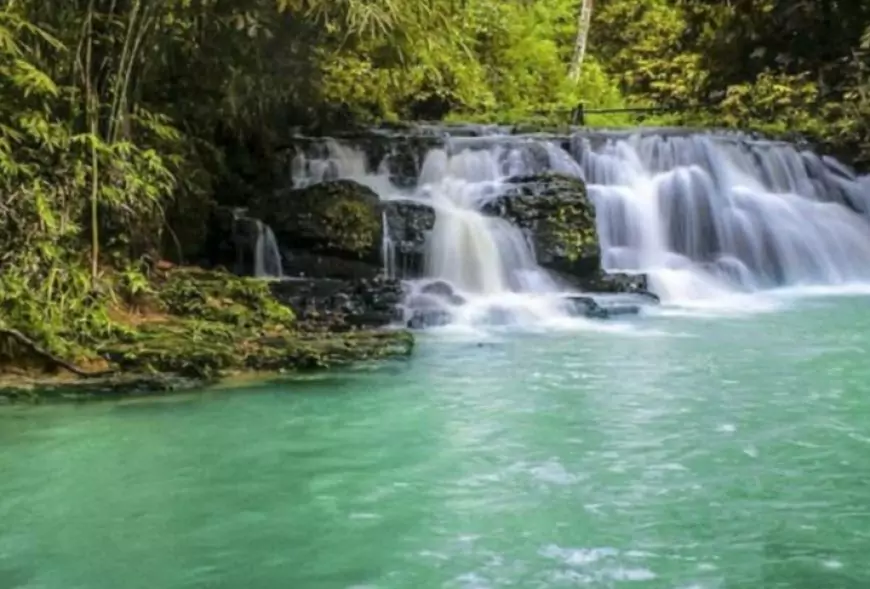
555 210
222 298
340 218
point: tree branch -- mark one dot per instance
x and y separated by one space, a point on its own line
45 354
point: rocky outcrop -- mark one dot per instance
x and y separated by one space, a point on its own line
557 214
341 305
602 282
193 327
332 229
408 224
432 304
586 306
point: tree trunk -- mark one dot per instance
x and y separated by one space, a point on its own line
584 18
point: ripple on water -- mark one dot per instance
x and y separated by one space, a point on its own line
590 565
733 458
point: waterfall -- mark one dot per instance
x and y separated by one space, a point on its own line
388 249
267 257
487 262
331 160
704 215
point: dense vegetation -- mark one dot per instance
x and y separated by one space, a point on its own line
122 120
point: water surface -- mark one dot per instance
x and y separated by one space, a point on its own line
700 451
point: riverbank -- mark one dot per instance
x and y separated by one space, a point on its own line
190 328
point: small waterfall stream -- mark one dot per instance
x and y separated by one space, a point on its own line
267 257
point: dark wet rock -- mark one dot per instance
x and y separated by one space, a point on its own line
423 318
306 264
587 306
372 319
430 309
559 218
341 304
338 220
443 290
408 224
613 283
47 389
615 310
438 288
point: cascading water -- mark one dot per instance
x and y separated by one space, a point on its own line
487 262
388 249
707 215
476 253
267 257
703 215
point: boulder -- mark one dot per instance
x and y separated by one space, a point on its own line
338 220
559 218
443 291
422 318
612 283
586 306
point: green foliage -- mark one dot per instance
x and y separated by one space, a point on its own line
775 103
784 67
478 59
642 42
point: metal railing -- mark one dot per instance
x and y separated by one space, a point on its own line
579 112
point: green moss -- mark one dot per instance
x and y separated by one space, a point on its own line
189 348
573 229
568 217
223 298
559 217
351 226
219 323
340 218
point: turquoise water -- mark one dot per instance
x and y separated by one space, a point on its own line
702 451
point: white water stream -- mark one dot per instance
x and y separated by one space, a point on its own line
706 217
